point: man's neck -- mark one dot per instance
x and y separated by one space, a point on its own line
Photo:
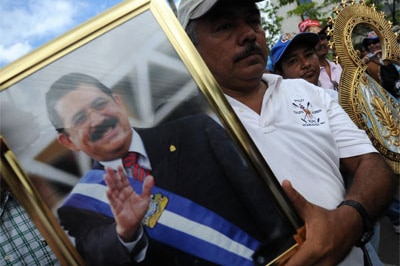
252 98
323 61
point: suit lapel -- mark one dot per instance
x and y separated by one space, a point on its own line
162 148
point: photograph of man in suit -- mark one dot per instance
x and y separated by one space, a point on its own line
201 205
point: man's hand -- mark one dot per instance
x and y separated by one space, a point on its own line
330 234
127 206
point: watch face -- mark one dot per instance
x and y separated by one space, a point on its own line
365 238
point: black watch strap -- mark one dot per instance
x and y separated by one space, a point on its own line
368 225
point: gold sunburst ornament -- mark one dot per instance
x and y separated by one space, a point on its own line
368 104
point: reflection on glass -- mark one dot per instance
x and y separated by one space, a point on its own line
154 85
198 170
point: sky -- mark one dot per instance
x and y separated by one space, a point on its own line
28 24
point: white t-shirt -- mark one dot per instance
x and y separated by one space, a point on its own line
302 133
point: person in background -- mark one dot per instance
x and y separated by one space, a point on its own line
303 134
387 74
330 72
21 242
293 56
373 55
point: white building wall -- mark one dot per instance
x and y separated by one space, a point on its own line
289 24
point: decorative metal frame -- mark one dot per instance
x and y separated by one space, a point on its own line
369 105
59 50
26 193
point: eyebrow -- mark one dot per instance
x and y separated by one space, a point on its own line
81 112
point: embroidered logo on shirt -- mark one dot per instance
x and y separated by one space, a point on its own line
307 115
158 203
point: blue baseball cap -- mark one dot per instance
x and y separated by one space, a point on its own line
289 39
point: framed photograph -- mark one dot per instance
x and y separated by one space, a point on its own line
139 52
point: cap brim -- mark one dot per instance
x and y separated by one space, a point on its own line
204 7
194 9
308 38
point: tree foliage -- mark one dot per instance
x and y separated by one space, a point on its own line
321 11
271 23
310 9
391 8
314 10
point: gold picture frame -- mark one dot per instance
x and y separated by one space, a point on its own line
137 44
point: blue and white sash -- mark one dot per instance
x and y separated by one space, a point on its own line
180 223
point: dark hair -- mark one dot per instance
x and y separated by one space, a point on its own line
324 36
191 30
64 85
278 68
368 42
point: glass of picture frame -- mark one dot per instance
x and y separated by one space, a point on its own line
139 50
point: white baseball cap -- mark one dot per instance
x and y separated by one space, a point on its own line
192 9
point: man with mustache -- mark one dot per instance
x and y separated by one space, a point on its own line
303 134
199 190
330 72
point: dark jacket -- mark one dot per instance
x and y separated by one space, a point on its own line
206 168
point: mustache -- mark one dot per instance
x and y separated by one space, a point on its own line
102 128
251 49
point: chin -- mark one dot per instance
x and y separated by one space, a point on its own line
312 81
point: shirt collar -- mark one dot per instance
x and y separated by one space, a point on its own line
136 146
272 81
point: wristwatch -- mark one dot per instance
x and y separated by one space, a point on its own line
368 225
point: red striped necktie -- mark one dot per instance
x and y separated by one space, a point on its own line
133 168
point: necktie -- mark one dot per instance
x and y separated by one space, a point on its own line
133 168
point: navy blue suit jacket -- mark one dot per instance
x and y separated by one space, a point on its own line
205 168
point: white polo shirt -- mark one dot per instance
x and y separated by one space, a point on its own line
302 133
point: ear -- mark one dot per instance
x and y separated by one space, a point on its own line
64 140
118 100
120 103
